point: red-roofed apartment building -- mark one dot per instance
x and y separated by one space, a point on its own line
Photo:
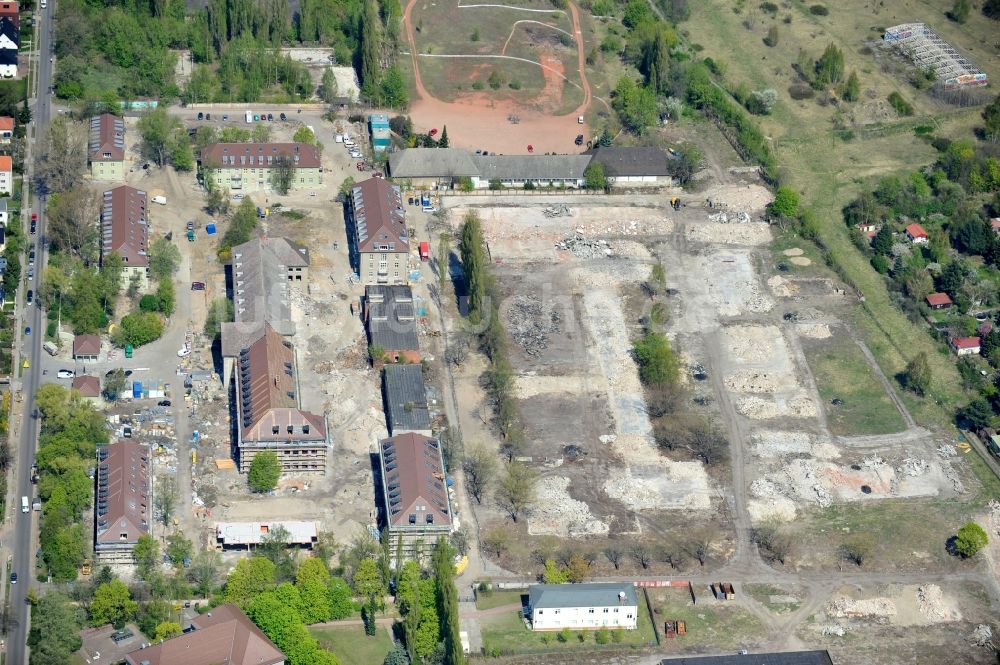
414 495
939 301
11 11
268 411
125 230
250 167
6 129
106 147
965 346
123 508
916 234
380 245
222 635
6 174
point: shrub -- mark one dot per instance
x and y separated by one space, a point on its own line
477 85
515 85
902 106
970 539
603 636
602 8
819 10
800 91
563 635
769 7
772 36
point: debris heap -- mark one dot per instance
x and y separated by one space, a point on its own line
530 322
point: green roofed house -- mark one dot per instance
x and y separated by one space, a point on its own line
582 606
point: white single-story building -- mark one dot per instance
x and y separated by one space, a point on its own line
582 606
539 170
633 165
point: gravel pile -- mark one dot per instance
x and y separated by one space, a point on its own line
932 604
879 609
556 513
751 381
530 322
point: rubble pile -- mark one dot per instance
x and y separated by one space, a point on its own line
982 635
556 513
914 467
585 248
557 211
735 217
530 323
751 381
878 609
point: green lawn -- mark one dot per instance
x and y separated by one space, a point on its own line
841 371
507 634
487 601
723 626
352 646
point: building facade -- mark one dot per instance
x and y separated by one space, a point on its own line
123 506
125 231
106 147
380 245
582 606
415 502
6 175
256 167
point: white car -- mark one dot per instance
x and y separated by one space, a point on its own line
65 374
183 352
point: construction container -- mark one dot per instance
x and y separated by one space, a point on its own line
682 629
210 229
137 390
425 251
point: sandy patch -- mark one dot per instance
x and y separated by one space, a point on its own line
751 234
528 386
782 287
793 251
748 198
759 408
769 443
814 330
557 513
776 508
800 261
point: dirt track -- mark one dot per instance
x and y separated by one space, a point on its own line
476 121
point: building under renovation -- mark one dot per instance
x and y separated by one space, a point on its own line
927 50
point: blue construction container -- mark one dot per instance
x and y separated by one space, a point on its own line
137 390
210 229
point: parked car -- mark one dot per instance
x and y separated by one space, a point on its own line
164 402
208 116
31 296
270 117
190 225
65 374
27 330
13 578
34 223
283 116
225 117
197 286
31 272
579 139
201 116
185 351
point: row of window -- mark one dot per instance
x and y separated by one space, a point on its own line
589 611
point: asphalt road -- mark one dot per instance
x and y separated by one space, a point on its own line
24 543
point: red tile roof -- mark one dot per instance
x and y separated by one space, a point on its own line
88 386
223 635
965 342
413 478
107 138
10 10
268 399
86 345
938 299
379 217
258 155
123 502
125 225
6 164
6 123
916 231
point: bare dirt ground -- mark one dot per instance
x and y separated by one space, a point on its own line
475 120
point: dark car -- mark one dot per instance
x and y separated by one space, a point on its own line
163 402
579 139
225 116
13 578
31 296
208 116
283 116
197 286
34 226
270 116
27 330
201 116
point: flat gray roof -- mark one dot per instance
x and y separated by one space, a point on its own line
596 594
405 398
391 317
431 163
531 167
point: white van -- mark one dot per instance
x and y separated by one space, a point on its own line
162 200
25 507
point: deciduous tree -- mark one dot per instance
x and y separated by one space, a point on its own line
112 604
480 471
516 492
970 539
249 579
917 376
265 470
